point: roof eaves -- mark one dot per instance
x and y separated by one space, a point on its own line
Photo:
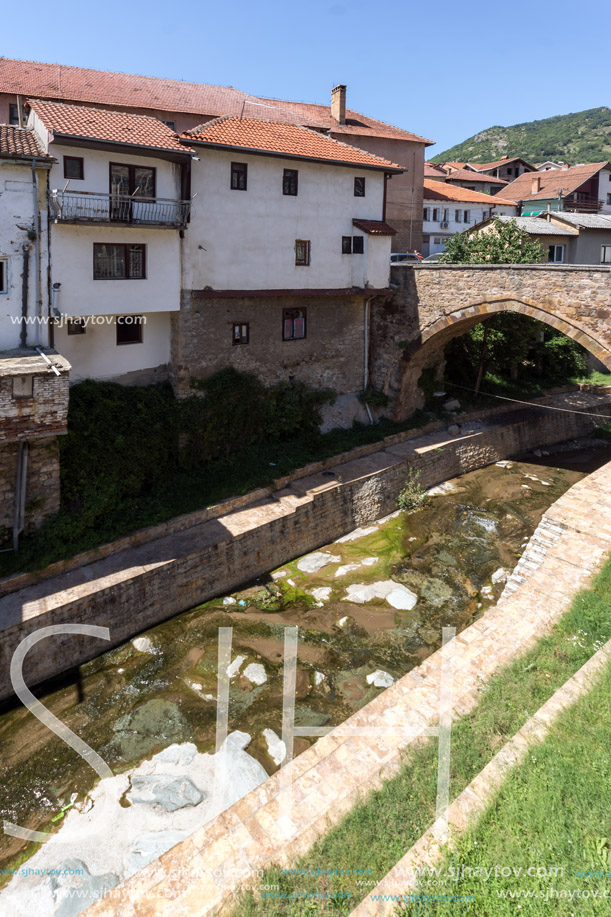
137 146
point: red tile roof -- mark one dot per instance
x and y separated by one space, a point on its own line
442 191
291 140
107 126
375 227
78 84
432 169
467 175
481 166
552 182
19 143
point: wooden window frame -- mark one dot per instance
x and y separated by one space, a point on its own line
76 326
243 337
359 186
132 178
238 169
305 261
290 182
13 114
291 315
126 246
358 245
81 163
346 245
138 325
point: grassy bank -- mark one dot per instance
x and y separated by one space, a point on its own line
379 830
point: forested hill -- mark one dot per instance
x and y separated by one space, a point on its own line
584 136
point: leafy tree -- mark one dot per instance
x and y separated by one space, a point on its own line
503 243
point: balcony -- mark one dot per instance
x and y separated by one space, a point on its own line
124 210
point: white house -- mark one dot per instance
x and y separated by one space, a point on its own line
118 202
449 209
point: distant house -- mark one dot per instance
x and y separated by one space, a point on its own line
449 209
567 238
464 175
508 167
584 189
549 164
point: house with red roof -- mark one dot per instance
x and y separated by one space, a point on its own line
449 209
582 189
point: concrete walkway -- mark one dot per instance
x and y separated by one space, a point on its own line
198 876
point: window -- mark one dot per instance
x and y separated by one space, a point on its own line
425 214
466 216
13 114
446 215
346 245
76 326
359 187
457 216
605 254
129 329
132 181
358 246
510 171
302 252
555 254
239 176
241 333
289 182
609 198
170 124
3 276
435 215
118 262
293 324
74 167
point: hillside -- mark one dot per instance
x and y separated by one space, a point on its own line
583 136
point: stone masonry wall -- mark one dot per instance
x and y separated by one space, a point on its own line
140 587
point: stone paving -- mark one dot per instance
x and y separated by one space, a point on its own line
198 876
474 799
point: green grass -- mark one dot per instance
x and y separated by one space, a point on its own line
554 810
523 389
382 827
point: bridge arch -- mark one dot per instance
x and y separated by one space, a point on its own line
426 348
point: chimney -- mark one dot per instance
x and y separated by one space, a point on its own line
566 166
338 104
535 185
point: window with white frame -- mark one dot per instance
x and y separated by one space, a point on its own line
435 214
458 216
446 215
425 214
3 275
605 254
555 254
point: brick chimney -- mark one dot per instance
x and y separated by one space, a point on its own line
338 104
535 185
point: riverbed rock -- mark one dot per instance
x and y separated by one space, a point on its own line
74 887
395 594
380 679
346 568
314 562
275 746
256 673
361 532
322 593
454 429
453 404
436 592
370 561
150 846
165 790
151 724
145 645
499 576
234 667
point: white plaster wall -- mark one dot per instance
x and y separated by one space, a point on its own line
16 217
80 294
96 354
433 228
604 188
246 239
96 170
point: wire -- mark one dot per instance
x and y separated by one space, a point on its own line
530 404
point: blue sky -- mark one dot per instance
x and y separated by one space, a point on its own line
443 70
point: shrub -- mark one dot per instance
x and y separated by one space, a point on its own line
413 494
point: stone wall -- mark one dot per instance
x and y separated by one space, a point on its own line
142 586
433 303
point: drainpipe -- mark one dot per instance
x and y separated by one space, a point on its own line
366 356
20 492
37 313
23 335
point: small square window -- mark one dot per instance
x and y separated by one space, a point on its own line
293 324
74 167
359 187
170 124
290 182
302 252
76 326
358 246
555 254
129 329
13 114
241 333
346 245
3 276
239 176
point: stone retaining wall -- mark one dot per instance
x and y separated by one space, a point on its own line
142 586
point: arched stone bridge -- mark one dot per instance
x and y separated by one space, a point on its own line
433 303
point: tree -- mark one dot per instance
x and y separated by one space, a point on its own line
502 243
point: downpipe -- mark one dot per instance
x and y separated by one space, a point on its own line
366 357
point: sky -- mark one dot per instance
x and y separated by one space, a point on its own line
443 70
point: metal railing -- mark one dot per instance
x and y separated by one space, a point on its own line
91 207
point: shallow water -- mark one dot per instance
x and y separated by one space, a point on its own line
136 699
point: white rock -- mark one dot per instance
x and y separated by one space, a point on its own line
322 593
504 464
145 645
446 488
319 677
234 667
361 532
256 673
346 568
312 563
275 746
278 574
452 405
499 576
229 600
291 582
342 621
402 598
370 561
365 592
486 590
380 679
